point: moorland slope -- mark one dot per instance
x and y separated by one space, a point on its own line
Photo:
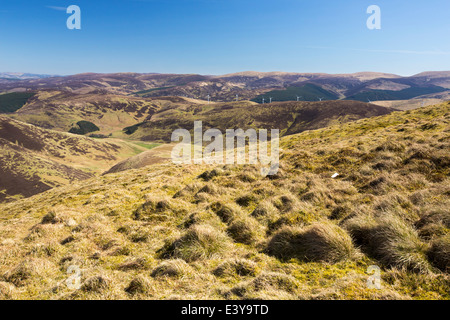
225 232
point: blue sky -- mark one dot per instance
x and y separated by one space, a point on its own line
224 36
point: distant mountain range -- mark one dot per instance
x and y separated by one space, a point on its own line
255 86
23 76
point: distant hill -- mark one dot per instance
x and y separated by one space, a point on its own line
22 76
245 85
62 110
289 117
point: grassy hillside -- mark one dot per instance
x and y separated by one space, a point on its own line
63 110
224 232
11 102
289 117
34 159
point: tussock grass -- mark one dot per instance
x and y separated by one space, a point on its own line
134 264
139 285
245 230
265 209
199 242
390 240
319 242
267 284
226 212
6 290
439 253
172 268
97 283
236 267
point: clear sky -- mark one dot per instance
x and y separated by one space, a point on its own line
224 36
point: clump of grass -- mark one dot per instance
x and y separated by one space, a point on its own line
244 230
187 191
210 188
236 267
439 253
24 271
272 282
48 249
390 240
7 290
247 177
140 235
322 241
37 232
392 146
285 203
171 268
265 209
199 242
67 240
434 223
210 174
150 207
298 218
376 186
135 264
139 285
246 200
226 213
96 284
51 218
340 211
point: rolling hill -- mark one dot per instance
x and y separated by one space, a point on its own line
225 232
154 119
34 160
62 110
288 117
247 85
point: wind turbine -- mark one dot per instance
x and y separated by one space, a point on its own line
320 99
263 99
298 98
209 98
369 100
270 99
237 97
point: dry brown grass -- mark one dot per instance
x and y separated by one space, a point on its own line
206 235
